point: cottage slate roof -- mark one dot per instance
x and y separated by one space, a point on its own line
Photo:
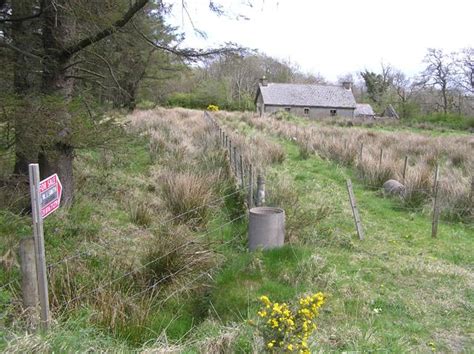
307 95
364 109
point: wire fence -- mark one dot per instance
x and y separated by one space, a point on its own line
245 182
245 174
143 266
214 202
243 185
414 194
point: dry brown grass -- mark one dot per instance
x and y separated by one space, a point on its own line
188 171
186 191
256 148
343 144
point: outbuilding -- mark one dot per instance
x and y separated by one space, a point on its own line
364 110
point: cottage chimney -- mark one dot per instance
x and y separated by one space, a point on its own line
263 81
347 85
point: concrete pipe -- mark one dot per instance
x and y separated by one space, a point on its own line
266 228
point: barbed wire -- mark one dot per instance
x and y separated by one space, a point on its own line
183 268
213 202
186 287
101 287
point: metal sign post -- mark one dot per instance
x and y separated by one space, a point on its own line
39 244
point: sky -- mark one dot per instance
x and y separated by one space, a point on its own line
334 37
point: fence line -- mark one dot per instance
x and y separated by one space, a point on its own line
182 268
236 163
154 260
213 202
377 153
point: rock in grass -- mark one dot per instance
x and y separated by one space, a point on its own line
393 187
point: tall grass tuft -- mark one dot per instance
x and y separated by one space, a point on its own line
175 254
140 213
187 193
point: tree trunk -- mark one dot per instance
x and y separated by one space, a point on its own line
25 152
57 157
445 100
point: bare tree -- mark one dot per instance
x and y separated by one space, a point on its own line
464 66
439 74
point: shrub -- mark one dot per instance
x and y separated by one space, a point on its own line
289 328
299 220
213 108
145 104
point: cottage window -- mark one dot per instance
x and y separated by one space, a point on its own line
287 109
306 111
333 112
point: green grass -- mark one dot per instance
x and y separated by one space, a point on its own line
450 121
433 125
398 290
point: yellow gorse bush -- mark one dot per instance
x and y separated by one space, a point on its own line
212 108
286 328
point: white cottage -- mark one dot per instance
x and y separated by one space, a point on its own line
312 101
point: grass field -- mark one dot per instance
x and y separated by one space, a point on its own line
398 290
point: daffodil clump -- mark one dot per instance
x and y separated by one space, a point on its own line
212 108
286 328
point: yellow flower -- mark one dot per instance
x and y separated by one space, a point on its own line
262 313
270 345
277 307
290 347
266 301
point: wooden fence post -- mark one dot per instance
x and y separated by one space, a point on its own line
39 245
242 172
380 158
471 195
405 168
435 221
260 190
250 192
236 171
29 281
436 176
355 211
230 153
361 151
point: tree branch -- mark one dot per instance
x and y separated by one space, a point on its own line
92 72
5 44
21 19
190 53
84 43
111 70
